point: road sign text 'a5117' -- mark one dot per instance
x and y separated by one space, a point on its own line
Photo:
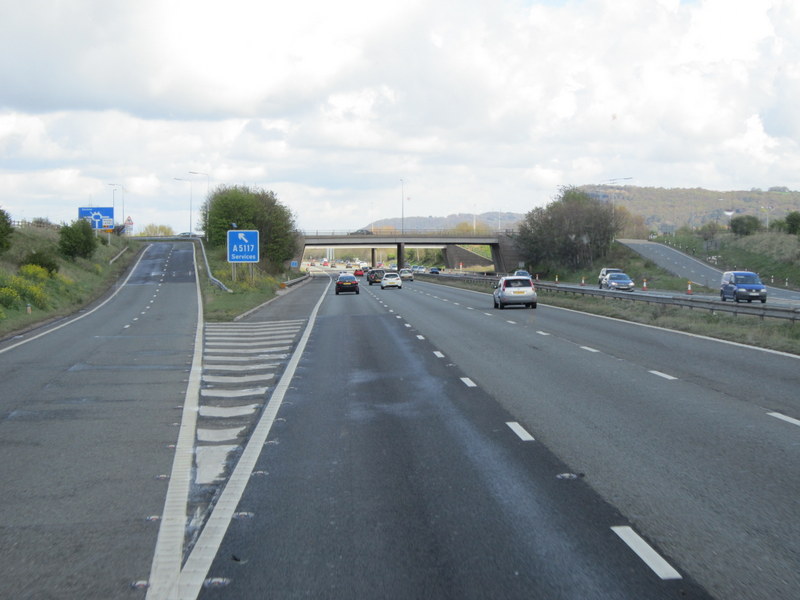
243 246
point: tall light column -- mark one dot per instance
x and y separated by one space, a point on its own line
114 199
402 207
208 189
190 200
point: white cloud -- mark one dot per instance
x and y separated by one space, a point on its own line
478 106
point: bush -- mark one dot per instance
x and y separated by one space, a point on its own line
10 298
29 292
6 229
77 240
43 259
34 273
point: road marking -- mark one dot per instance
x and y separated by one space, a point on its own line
542 333
420 337
520 431
644 551
468 382
784 418
664 375
512 322
438 354
407 324
488 314
589 349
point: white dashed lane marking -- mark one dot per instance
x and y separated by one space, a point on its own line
645 551
520 431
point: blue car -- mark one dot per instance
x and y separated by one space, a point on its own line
742 285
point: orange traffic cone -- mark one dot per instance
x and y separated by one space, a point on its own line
689 288
583 280
644 286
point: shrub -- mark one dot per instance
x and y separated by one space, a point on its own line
29 292
6 229
10 298
34 273
42 259
77 240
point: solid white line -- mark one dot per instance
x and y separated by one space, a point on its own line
644 551
520 431
438 354
205 550
664 375
784 418
166 565
468 382
589 349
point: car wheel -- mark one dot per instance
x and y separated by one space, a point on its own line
494 301
736 298
722 296
533 304
337 292
500 305
763 301
357 291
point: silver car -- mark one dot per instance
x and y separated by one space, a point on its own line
514 290
618 281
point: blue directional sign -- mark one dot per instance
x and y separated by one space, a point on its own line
98 217
243 246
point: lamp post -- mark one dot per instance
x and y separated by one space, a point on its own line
208 187
190 201
402 208
113 202
114 187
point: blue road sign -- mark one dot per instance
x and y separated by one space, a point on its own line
294 264
98 217
243 246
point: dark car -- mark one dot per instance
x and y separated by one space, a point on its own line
434 271
346 283
618 281
375 276
742 285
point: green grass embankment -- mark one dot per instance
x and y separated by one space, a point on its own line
30 296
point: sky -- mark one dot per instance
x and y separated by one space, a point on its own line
354 111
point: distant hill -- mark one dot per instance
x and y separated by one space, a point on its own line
663 209
666 208
490 220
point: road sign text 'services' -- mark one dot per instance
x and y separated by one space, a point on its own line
243 246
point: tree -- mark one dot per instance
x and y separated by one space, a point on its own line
570 231
745 225
6 229
793 222
153 230
77 240
240 207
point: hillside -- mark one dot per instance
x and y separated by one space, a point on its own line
665 209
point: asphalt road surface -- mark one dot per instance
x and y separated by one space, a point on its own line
89 413
391 444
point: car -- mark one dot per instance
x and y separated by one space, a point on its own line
375 276
514 290
521 273
618 281
406 275
358 272
742 285
346 283
391 279
434 271
603 273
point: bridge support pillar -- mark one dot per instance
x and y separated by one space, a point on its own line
372 258
401 255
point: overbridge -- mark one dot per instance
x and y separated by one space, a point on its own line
505 256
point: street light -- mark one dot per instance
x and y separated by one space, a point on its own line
402 208
208 186
190 201
121 187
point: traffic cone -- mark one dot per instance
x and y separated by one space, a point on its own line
583 280
689 288
556 279
644 286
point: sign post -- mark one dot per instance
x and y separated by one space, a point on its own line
243 247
